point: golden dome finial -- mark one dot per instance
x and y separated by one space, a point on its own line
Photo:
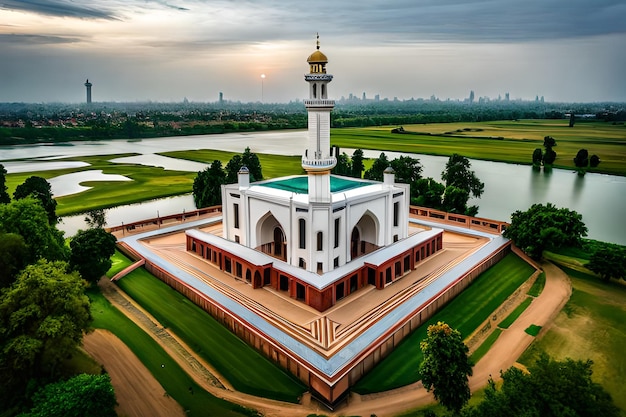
318 41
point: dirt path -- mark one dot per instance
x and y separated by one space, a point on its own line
138 392
503 354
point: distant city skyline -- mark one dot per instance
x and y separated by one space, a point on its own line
167 51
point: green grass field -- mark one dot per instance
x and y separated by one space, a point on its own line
246 369
465 313
171 377
485 346
505 141
590 326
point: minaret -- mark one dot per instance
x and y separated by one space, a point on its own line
318 160
88 85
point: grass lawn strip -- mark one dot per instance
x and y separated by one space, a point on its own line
246 369
504 141
465 313
533 330
590 326
506 323
485 346
538 285
175 381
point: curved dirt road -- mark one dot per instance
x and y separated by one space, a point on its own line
502 355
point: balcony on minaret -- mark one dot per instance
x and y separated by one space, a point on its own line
319 103
319 162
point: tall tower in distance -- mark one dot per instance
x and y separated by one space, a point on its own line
88 86
318 160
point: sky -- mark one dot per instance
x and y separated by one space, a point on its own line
166 51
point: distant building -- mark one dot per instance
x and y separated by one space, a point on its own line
88 87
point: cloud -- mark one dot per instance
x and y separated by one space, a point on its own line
16 39
58 8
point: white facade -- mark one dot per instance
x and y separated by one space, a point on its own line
316 222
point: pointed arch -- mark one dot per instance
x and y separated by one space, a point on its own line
364 236
271 236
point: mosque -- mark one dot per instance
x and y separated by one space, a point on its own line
324 275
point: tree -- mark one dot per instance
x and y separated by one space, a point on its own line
251 161
343 165
594 161
407 171
207 185
537 157
581 160
38 188
43 316
4 195
91 252
378 168
455 200
446 366
549 157
429 193
96 218
82 395
232 169
247 159
551 389
459 174
13 256
543 227
28 219
608 262
357 163
549 142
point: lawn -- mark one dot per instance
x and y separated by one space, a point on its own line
465 313
246 369
147 183
273 166
504 141
175 381
590 326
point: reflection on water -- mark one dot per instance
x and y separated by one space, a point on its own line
35 166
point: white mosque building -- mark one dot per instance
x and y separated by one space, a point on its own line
326 236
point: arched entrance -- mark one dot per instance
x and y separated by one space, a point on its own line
364 236
270 237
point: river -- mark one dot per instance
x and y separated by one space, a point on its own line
601 199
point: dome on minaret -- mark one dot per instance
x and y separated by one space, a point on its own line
317 60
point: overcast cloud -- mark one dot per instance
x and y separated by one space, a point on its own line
167 50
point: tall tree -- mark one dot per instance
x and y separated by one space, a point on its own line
251 161
39 189
550 389
79 396
543 227
458 173
207 186
232 169
357 163
455 200
91 252
378 168
4 195
28 219
43 316
407 170
446 366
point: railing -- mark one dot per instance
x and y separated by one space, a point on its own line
458 219
189 215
